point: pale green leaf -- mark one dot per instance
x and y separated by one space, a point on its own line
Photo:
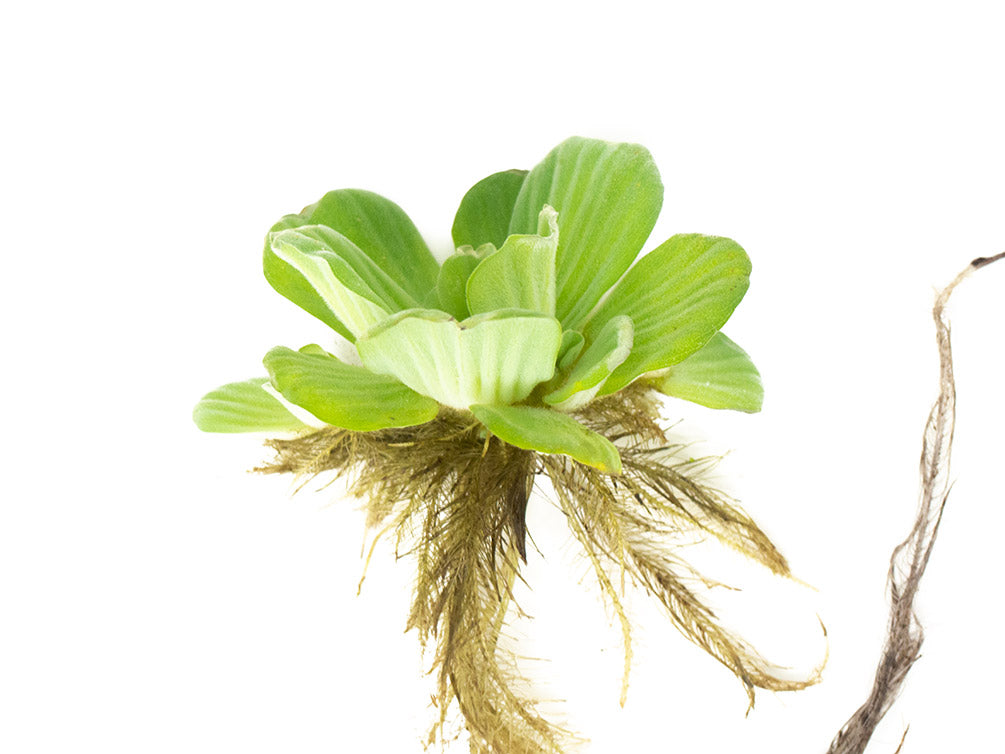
485 211
244 407
298 287
344 395
548 431
521 275
326 274
496 357
678 296
320 238
720 374
380 229
608 197
604 354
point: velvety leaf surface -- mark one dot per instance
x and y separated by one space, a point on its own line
485 211
451 285
603 355
720 374
608 197
496 357
568 352
345 395
381 230
244 407
521 275
327 275
548 431
290 281
678 296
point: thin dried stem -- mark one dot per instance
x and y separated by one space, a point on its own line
905 633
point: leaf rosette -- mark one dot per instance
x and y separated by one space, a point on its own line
544 307
544 337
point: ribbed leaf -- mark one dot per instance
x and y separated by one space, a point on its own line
521 275
720 374
608 197
292 283
486 209
678 296
344 395
326 274
548 431
496 357
380 229
602 356
244 407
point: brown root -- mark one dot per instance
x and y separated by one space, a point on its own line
455 498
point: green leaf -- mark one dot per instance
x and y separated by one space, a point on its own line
244 407
497 357
316 350
286 222
720 374
289 281
485 211
381 230
678 297
320 238
568 352
344 395
451 285
521 275
603 356
548 431
326 274
608 197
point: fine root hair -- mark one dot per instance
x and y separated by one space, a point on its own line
454 499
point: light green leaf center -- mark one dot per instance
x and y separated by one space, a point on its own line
497 357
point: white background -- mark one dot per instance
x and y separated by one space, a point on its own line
154 597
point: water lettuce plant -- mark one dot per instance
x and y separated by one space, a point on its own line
540 347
